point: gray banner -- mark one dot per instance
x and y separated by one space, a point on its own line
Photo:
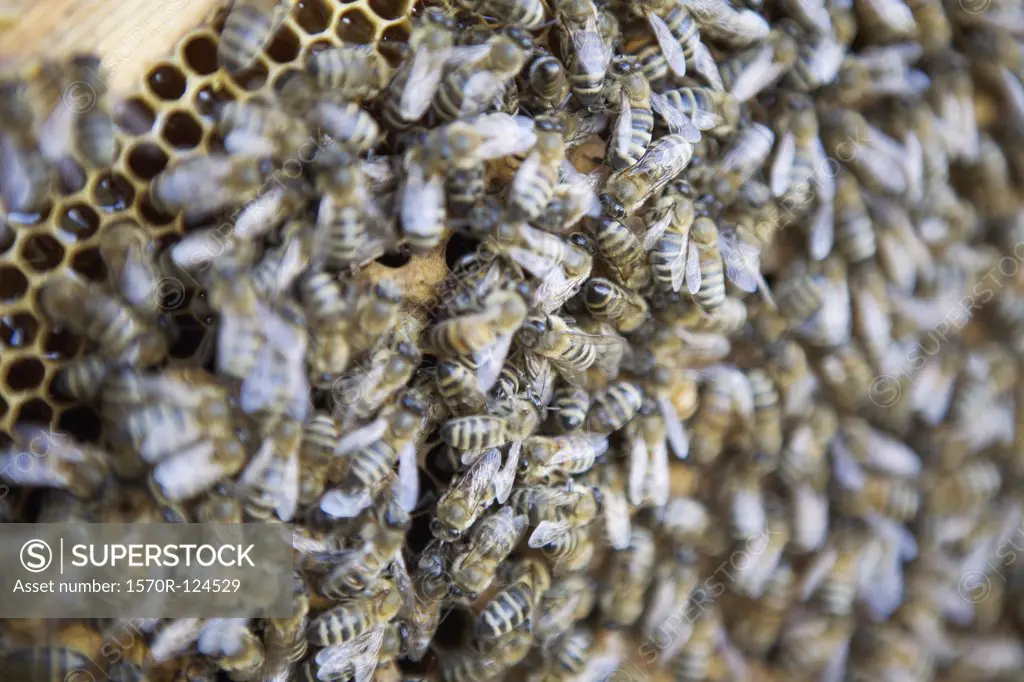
172 570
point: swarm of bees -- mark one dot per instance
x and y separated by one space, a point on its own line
723 382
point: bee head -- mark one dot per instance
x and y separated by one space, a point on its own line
612 208
533 329
598 290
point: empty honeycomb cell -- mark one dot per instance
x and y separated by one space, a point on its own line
252 78
284 47
182 131
34 411
135 116
457 247
355 27
72 177
114 192
25 374
60 345
145 160
89 264
200 54
18 330
81 422
208 99
6 237
394 259
167 82
42 252
78 222
312 16
152 214
13 284
389 9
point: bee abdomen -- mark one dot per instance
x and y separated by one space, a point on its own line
371 465
506 612
474 433
246 29
856 239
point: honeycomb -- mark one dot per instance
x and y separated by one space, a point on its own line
168 119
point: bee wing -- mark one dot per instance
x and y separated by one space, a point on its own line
490 360
677 437
556 288
670 47
616 519
892 456
506 477
747 509
408 477
287 484
579 446
693 273
914 166
658 478
344 505
812 507
656 229
845 467
189 472
622 135
464 55
816 572
707 67
835 670
360 652
638 463
548 531
782 165
524 177
756 75
175 638
361 437
480 89
422 200
478 479
590 49
504 135
822 235
677 122
425 74
741 261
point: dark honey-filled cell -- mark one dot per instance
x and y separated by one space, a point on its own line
167 82
209 99
6 237
388 9
312 16
182 131
200 55
25 374
42 252
13 284
356 27
78 222
82 423
145 160
34 411
113 192
18 330
394 259
60 345
135 117
89 264
284 47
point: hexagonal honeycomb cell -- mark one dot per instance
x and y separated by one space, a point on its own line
166 119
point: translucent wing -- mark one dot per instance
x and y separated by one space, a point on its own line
741 261
656 229
623 133
707 67
422 200
677 122
677 437
360 653
548 531
782 166
480 89
693 274
757 75
816 572
706 120
477 480
188 472
524 178
590 49
845 467
638 463
361 437
344 505
408 477
579 446
616 519
490 360
425 74
670 47
460 56
824 176
506 477
504 135
658 474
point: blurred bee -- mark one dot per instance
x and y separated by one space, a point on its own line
566 656
817 62
354 571
804 453
534 183
327 309
975 483
269 484
348 124
728 25
569 600
676 32
489 542
624 309
27 178
569 547
584 49
122 334
855 234
467 497
513 606
201 185
613 407
880 72
349 72
758 629
767 419
128 253
760 67
387 370
571 351
648 483
473 335
546 458
631 572
528 14
425 595
888 20
348 224
232 646
93 128
473 665
248 29
879 162
810 14
356 617
82 378
256 128
547 83
51 460
457 386
469 89
628 189
569 408
726 392
744 156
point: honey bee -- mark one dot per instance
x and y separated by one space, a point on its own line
577 505
477 666
634 125
613 407
481 432
469 89
248 29
27 177
569 547
356 617
122 334
548 457
255 128
758 68
676 33
817 63
571 351
489 542
628 189
513 606
347 124
270 482
855 235
132 271
548 83
705 276
93 129
350 72
701 651
569 408
744 156
767 418
569 600
201 185
728 25
759 628
975 483
584 49
54 461
354 571
625 310
83 378
348 225
631 573
879 162
425 595
456 384
622 250
567 655
534 183
810 14
727 391
890 20
387 370
466 498
881 72
528 14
